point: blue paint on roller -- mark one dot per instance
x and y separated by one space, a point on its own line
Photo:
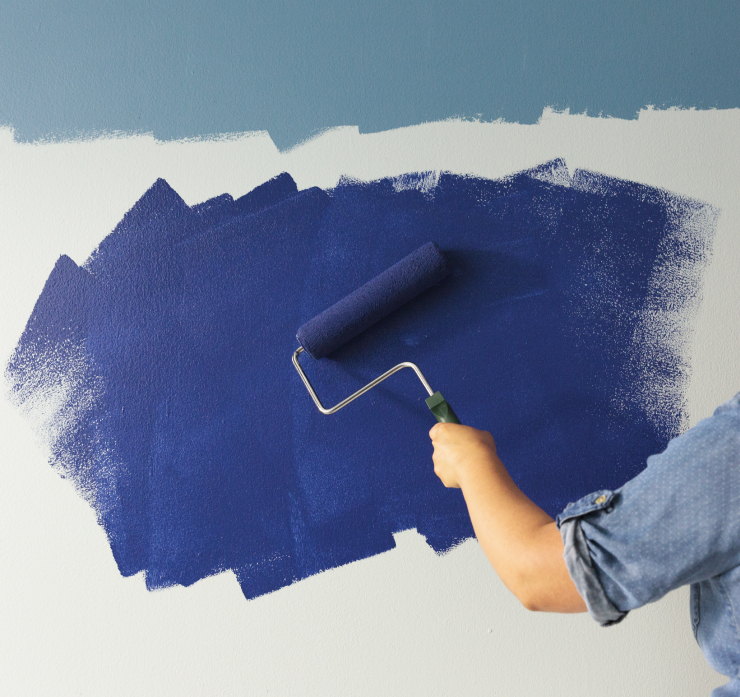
373 301
162 364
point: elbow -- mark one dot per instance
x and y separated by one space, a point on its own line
528 593
539 597
531 601
534 606
537 575
538 592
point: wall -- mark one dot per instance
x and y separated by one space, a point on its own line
404 622
92 98
293 68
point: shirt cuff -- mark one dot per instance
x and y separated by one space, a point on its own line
580 567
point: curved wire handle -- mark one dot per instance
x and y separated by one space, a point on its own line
362 390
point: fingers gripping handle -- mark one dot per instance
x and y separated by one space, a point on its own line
441 409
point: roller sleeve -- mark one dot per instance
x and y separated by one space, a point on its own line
370 303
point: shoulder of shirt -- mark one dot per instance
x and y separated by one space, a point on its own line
730 406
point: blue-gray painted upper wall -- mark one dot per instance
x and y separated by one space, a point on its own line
190 68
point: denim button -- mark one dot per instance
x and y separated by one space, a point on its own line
600 499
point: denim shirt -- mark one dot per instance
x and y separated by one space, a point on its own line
675 523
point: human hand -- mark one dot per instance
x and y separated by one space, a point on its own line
458 450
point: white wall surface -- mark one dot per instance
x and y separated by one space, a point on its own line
403 623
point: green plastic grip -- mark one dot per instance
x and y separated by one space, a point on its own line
443 411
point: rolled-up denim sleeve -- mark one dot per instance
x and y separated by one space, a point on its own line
675 523
578 557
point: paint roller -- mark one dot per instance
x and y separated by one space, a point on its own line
367 305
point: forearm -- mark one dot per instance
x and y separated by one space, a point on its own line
520 540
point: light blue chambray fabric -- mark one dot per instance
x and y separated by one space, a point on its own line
675 523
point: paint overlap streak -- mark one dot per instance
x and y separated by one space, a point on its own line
159 371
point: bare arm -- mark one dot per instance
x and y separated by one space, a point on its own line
520 540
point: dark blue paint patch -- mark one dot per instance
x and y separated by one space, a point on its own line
165 362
